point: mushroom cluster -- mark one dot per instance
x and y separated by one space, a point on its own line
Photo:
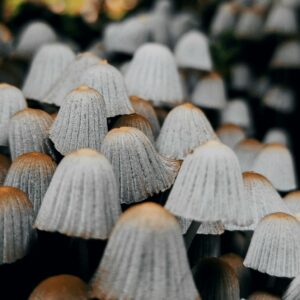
163 166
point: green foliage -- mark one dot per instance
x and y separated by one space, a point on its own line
225 49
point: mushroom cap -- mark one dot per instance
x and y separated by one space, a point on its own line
140 170
145 258
276 163
4 166
210 92
231 134
153 75
45 69
11 101
31 172
192 51
292 200
209 187
70 78
16 217
81 121
185 128
215 279
237 112
277 136
28 132
275 246
82 198
145 109
262 197
241 77
287 55
246 151
281 19
109 82
34 35
60 287
263 296
224 19
293 290
250 25
280 99
137 121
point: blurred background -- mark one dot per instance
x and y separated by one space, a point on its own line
73 17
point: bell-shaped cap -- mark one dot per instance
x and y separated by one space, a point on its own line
275 162
216 280
260 86
185 128
16 217
11 101
28 132
293 290
181 23
231 135
153 75
237 112
282 20
137 121
277 136
241 77
82 198
70 78
209 187
4 166
145 109
159 21
45 69
109 82
141 172
249 25
210 92
280 99
224 19
287 55
81 121
292 200
262 197
31 173
34 35
192 51
126 36
60 287
246 151
145 258
275 246
243 274
263 296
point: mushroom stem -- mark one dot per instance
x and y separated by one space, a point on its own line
190 234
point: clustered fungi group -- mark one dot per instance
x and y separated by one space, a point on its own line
126 173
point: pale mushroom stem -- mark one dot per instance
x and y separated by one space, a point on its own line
191 233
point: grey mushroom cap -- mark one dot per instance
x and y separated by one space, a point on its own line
31 172
140 170
145 259
16 218
82 198
28 132
81 121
